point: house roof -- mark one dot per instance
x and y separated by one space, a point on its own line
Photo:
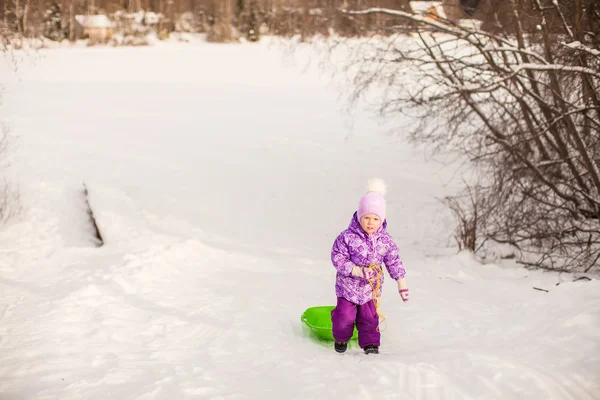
424 7
94 21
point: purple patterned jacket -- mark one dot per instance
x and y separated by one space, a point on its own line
355 247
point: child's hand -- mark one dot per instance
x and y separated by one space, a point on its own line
403 289
364 272
404 294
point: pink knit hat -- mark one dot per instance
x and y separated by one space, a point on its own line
373 202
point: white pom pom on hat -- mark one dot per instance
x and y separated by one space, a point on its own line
373 202
377 185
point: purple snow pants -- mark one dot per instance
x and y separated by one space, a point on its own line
345 314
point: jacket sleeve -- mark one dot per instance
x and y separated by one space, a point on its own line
393 263
340 256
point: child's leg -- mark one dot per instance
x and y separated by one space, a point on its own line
367 321
343 317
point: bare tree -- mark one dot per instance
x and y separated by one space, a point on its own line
220 18
221 22
522 102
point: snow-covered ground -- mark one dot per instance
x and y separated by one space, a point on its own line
220 176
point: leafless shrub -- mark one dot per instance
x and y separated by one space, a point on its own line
522 105
9 197
469 211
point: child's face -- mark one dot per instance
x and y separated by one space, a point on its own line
370 223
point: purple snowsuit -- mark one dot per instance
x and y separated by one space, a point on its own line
355 296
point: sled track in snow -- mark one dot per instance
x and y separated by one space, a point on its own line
92 217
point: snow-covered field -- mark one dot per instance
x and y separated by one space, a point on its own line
220 176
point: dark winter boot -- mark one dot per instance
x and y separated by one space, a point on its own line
371 349
341 347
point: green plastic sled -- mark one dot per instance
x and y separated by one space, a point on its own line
318 320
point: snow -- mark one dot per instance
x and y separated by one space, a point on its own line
151 18
94 21
219 176
580 46
423 7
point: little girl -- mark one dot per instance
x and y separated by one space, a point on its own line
357 253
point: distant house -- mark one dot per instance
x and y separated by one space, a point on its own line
429 9
457 10
96 28
498 15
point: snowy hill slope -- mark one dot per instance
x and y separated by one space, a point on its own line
219 180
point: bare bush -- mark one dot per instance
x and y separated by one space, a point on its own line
470 212
9 197
522 104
